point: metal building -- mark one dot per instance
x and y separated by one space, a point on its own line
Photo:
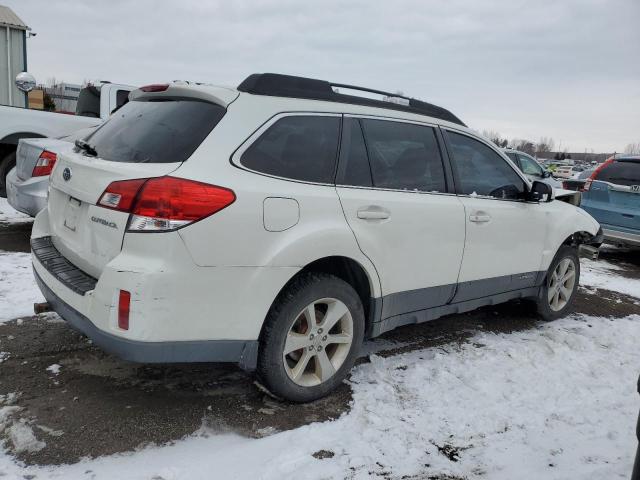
13 56
65 96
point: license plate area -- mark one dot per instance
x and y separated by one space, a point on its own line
71 213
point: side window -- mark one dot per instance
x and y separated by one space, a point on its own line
481 171
404 156
530 166
514 158
122 97
354 163
299 147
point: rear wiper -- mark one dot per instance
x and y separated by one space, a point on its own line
88 149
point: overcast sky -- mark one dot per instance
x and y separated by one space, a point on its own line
566 69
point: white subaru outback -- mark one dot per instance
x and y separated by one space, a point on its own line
278 224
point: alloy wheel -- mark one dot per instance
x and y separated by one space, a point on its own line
560 284
318 342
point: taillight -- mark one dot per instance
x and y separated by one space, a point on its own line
120 195
165 203
124 304
594 175
156 87
45 164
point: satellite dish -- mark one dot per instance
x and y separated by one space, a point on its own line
25 82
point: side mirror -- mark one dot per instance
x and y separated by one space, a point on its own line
540 192
546 174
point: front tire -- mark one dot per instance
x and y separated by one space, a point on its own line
561 283
311 338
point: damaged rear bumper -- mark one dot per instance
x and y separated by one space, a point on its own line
243 352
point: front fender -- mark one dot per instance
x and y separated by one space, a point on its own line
568 223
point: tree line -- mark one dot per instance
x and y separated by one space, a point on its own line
543 147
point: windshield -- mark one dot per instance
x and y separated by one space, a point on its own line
155 131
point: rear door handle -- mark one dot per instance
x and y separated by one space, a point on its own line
479 218
373 212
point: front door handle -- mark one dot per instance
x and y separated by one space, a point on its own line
479 218
373 212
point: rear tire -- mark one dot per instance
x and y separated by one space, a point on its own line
311 338
557 293
6 164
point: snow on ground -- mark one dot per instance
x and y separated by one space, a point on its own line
54 369
23 439
558 401
10 215
602 274
18 289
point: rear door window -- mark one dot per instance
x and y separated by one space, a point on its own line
621 173
481 171
155 131
299 147
404 156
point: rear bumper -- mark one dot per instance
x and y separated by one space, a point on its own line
620 237
179 312
243 352
27 196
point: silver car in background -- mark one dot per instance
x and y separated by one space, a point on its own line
27 183
531 168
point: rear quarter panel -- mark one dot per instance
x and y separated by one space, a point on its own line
236 236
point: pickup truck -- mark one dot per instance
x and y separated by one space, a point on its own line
95 104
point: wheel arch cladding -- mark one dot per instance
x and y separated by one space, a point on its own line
349 270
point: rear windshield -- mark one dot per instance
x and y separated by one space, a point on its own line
155 131
621 173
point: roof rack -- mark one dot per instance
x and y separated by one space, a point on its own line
277 85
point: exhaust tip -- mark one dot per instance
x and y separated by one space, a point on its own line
42 307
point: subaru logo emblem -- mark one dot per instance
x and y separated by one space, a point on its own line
66 174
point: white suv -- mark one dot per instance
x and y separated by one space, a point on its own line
279 224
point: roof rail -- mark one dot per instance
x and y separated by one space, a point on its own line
277 85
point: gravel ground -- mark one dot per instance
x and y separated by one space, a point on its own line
94 404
